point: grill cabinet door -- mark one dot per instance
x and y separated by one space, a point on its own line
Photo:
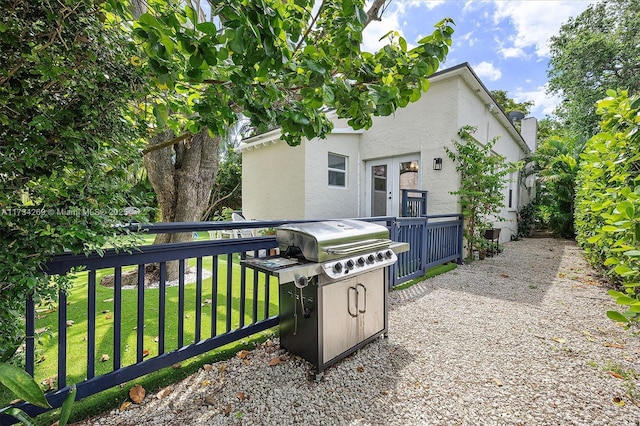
339 326
372 321
352 311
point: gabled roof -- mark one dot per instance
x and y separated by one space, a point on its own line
463 71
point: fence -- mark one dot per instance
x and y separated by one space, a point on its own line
434 240
414 203
129 332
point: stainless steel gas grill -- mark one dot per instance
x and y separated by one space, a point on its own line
333 287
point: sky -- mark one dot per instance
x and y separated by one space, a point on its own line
504 41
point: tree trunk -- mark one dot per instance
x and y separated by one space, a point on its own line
182 177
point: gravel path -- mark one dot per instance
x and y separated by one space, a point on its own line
518 339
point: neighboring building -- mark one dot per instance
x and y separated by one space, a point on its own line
360 173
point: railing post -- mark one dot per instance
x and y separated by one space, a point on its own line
30 340
461 240
426 246
393 235
405 195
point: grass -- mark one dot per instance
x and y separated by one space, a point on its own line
77 332
436 270
46 321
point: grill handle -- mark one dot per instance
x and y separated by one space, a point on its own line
357 247
362 311
349 301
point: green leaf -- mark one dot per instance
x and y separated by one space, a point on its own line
67 406
20 416
237 43
191 14
625 300
615 294
327 95
632 253
151 21
196 60
617 316
161 112
22 385
623 270
610 228
207 28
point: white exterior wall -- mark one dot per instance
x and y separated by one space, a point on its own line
272 182
281 182
331 202
423 127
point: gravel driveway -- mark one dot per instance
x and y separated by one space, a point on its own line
518 339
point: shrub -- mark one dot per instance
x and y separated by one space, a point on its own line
608 200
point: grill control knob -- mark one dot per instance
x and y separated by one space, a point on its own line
388 254
337 267
371 258
361 261
350 264
380 256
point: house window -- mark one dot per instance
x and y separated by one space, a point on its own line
337 170
511 198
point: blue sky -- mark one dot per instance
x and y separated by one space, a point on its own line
505 42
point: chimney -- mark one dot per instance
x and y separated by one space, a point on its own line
529 132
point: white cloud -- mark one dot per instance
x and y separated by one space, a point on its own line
535 21
391 20
469 38
544 104
487 70
375 30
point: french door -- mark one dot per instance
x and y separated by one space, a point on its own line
384 180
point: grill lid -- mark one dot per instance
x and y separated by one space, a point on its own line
332 239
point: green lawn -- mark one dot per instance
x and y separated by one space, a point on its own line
46 321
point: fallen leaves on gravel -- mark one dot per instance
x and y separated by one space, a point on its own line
618 401
274 362
613 345
241 396
125 405
209 400
164 392
242 354
498 382
360 369
137 394
616 375
227 410
559 340
207 367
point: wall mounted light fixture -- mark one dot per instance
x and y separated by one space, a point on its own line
437 164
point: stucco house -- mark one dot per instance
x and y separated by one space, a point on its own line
356 173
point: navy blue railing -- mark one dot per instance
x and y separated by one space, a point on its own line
235 302
434 240
414 203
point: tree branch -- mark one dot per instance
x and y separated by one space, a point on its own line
309 28
167 143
